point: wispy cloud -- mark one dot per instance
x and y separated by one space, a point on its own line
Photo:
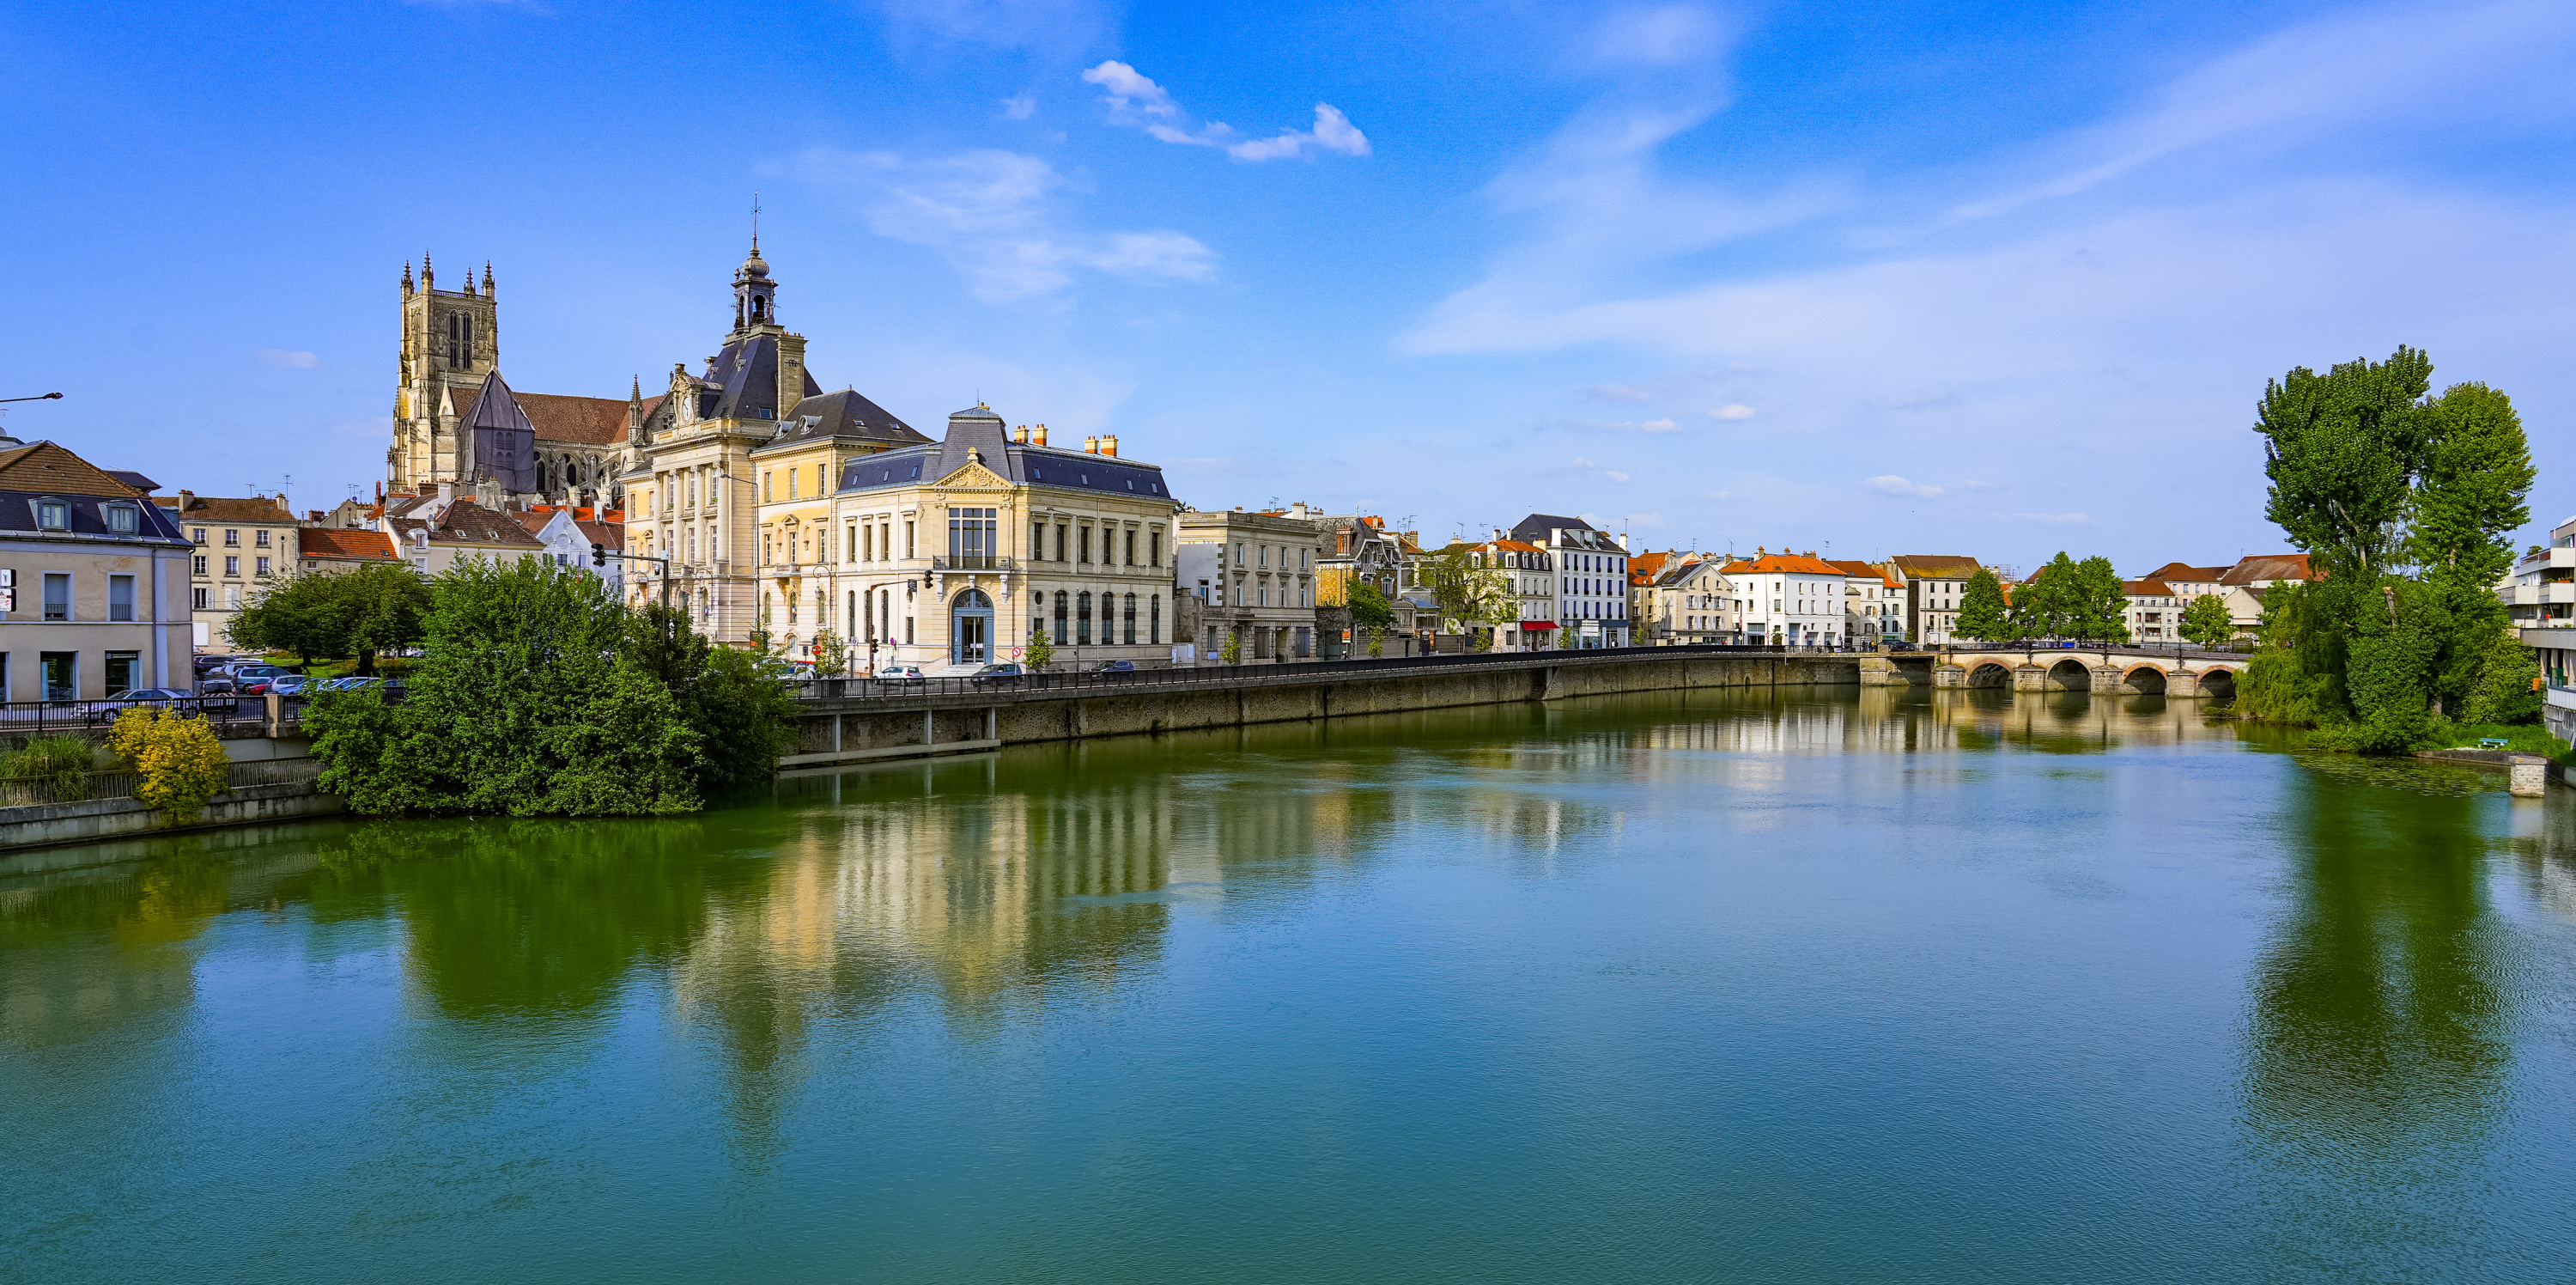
992 214
1635 426
1019 107
1891 484
2058 519
1732 410
289 359
1135 100
1619 392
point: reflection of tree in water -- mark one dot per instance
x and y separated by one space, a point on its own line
510 917
87 951
2374 1059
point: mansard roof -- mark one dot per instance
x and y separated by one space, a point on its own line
842 414
980 430
742 381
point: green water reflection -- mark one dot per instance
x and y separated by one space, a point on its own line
1890 985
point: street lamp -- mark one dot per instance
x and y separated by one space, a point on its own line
40 397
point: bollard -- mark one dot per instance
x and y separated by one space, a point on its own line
2530 776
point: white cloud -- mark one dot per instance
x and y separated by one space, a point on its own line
1019 107
1732 410
1891 484
991 214
1134 99
289 359
1663 36
1615 475
1619 392
1636 426
1651 521
2060 519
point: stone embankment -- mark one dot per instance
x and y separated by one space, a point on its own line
858 729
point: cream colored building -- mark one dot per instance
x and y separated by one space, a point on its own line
809 577
957 552
1255 575
239 542
93 580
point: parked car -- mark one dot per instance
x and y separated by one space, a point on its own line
138 698
900 674
253 680
215 684
293 684
201 664
1117 667
1000 673
1902 646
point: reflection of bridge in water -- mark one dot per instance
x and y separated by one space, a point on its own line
2045 669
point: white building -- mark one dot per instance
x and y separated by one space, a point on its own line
1933 584
2540 591
1873 603
1591 593
1789 599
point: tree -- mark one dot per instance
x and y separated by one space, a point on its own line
2205 621
373 608
1040 653
2044 605
2402 504
1983 614
178 761
528 704
2097 605
1233 649
1466 592
385 605
831 654
1369 607
743 713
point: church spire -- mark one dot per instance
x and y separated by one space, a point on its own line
487 278
406 276
424 270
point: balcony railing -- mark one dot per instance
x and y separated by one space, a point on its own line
972 562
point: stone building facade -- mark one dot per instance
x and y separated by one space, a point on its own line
1255 575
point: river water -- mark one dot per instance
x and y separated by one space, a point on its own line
1886 986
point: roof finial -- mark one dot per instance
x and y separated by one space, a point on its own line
487 276
755 225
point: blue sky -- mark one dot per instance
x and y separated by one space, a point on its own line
1995 279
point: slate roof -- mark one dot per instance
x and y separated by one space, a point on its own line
343 542
842 414
466 522
1935 566
494 406
742 381
980 430
133 479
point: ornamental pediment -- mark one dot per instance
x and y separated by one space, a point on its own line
975 477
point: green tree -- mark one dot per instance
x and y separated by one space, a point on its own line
1369 607
1233 649
2098 608
1040 653
2205 621
2046 604
744 714
386 607
361 612
526 705
831 654
1467 592
1983 613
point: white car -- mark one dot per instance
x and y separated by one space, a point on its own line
900 674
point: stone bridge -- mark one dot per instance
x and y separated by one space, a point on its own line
2048 669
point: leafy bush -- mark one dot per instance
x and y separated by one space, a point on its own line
180 760
62 762
2507 686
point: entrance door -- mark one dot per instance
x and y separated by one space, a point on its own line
970 628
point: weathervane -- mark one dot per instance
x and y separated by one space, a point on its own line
755 223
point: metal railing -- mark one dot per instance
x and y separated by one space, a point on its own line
118 783
1264 673
972 562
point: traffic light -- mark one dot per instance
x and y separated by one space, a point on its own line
598 554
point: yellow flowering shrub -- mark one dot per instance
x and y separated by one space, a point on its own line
180 761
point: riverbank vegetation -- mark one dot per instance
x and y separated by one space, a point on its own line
540 694
2402 501
355 615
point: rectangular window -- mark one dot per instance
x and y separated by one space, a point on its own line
795 477
61 674
1154 630
201 564
232 565
259 538
120 597
1154 543
201 535
262 568
1059 542
1265 555
907 631
58 595
200 598
1084 537
1131 555
120 671
909 551
1037 541
1131 620
232 597
232 539
768 486
973 537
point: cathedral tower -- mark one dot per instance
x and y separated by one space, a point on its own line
451 340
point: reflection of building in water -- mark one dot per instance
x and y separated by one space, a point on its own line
2543 845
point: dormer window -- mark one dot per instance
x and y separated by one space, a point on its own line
123 518
53 515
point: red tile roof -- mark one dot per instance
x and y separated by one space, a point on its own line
587 421
1792 563
2268 566
341 542
1935 566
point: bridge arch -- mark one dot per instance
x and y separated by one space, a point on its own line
2219 681
2146 680
2072 674
1990 674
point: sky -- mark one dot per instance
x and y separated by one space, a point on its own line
1996 280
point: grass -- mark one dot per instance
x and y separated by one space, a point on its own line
63 761
2522 738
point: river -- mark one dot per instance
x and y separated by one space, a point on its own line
1859 986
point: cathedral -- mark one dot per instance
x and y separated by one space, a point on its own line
457 421
675 468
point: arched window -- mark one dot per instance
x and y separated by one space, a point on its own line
1154 627
1131 620
1082 619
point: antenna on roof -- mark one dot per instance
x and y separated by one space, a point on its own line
755 225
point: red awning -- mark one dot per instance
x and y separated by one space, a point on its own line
1527 625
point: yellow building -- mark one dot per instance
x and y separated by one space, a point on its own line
801 567
695 495
956 552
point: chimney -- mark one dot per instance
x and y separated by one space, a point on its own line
791 375
1021 435
1109 445
1623 542
188 497
446 492
1041 437
1091 446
